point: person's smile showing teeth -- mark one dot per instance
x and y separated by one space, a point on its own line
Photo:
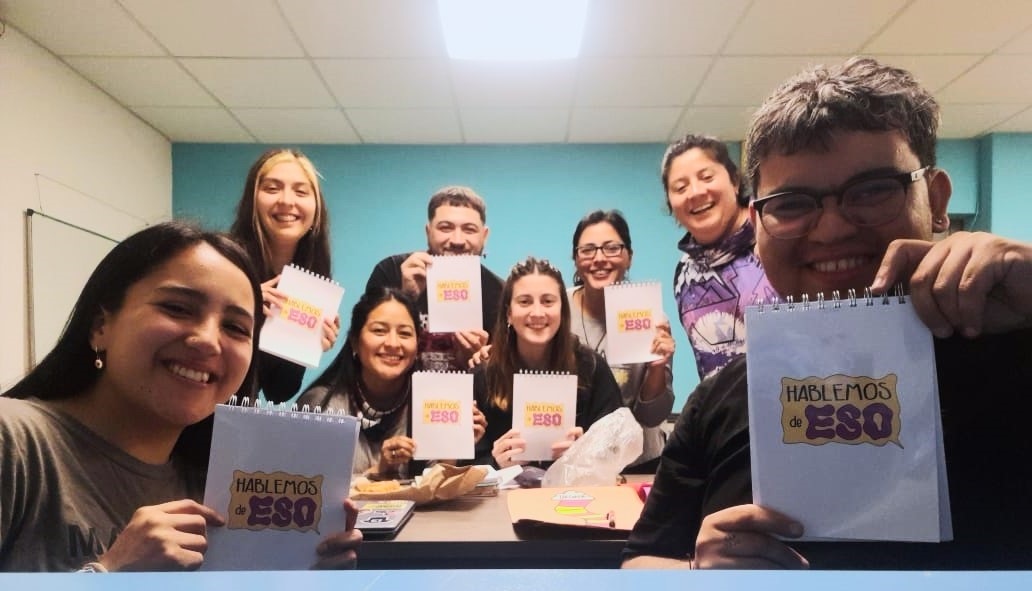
194 375
840 265
389 359
701 209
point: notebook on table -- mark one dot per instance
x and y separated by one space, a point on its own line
382 520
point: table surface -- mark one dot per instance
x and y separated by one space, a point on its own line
478 533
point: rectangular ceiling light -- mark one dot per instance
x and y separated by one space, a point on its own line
513 29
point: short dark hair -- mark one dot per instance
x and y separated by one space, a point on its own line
860 94
456 196
67 370
716 150
313 250
614 218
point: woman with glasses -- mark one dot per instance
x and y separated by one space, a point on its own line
533 334
602 256
718 274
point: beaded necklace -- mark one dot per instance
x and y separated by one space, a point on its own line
370 417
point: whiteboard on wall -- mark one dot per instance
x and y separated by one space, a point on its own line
60 257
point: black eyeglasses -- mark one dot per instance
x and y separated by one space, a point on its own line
867 202
609 249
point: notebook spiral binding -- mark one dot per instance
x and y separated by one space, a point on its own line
620 284
851 300
538 372
301 269
248 404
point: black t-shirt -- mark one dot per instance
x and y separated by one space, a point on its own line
437 351
985 390
278 379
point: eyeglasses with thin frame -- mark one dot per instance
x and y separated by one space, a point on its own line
866 202
609 249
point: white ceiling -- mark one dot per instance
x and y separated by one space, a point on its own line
375 71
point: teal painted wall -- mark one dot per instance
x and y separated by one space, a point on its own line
1006 161
535 194
960 159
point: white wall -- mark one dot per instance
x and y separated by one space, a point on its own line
70 151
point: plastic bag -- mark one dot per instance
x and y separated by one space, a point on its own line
597 458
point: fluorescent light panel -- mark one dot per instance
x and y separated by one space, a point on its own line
513 29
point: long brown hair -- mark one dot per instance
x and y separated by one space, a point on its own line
313 250
505 361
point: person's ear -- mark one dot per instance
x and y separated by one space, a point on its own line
99 331
486 232
940 188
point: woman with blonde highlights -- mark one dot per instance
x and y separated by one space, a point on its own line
282 219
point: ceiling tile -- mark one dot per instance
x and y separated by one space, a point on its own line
707 63
223 28
936 27
932 71
514 84
406 126
1019 123
514 126
297 126
748 80
214 125
366 29
964 121
262 83
638 82
659 27
998 79
98 28
787 28
590 125
388 83
1020 44
726 123
143 81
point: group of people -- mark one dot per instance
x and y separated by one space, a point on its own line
103 445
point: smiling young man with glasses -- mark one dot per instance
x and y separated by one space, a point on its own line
842 161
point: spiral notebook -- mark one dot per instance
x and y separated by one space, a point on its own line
632 312
845 429
279 477
295 330
453 294
442 415
544 408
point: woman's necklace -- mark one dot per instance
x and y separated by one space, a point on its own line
584 327
370 417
